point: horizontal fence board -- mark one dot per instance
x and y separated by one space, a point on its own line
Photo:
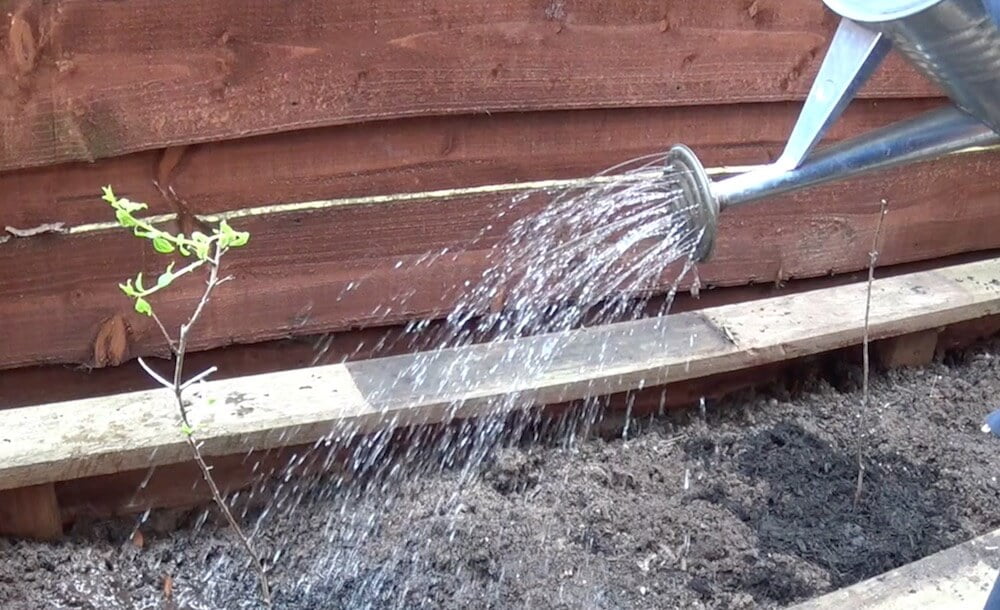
61 441
28 386
323 270
412 155
87 79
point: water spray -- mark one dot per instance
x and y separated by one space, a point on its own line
954 43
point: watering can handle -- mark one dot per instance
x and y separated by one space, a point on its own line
853 56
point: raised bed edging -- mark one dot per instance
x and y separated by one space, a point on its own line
960 577
56 442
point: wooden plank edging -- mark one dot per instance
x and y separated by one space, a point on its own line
959 578
75 439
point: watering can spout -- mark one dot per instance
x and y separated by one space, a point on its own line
929 136
955 43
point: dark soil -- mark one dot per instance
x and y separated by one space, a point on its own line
748 505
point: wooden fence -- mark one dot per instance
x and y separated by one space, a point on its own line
403 123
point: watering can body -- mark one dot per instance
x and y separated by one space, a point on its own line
954 43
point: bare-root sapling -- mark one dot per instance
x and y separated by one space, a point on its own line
202 253
865 366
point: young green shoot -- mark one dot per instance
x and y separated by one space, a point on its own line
200 251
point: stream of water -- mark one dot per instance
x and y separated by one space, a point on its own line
585 255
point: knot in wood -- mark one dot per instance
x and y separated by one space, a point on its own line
111 344
22 48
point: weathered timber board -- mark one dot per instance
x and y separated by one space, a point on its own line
87 79
957 578
411 155
59 300
27 386
124 432
181 484
30 511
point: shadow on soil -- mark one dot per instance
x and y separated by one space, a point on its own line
806 508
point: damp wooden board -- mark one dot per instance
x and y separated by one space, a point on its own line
88 79
957 578
82 438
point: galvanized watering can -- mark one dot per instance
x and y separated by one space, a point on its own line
955 43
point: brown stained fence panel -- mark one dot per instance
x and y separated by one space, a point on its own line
89 79
60 299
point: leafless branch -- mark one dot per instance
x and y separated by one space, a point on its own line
199 377
156 376
862 419
182 340
166 335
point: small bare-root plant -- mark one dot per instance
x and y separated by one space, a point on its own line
866 369
202 252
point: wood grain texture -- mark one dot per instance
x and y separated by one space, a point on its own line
125 432
411 155
86 79
365 265
916 349
30 512
22 387
181 485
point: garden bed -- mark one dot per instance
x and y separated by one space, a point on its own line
747 504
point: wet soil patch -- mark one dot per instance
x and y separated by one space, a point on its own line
747 505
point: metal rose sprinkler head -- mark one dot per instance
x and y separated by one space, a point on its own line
955 43
701 207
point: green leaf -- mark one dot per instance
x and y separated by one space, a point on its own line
239 238
131 206
231 237
166 277
187 430
224 230
128 289
142 306
109 195
182 246
162 245
125 219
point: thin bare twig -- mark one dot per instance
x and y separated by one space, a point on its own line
872 259
156 376
212 282
178 386
199 377
166 335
